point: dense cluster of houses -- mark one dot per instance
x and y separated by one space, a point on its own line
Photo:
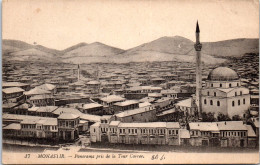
131 104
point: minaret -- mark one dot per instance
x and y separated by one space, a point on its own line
78 72
198 47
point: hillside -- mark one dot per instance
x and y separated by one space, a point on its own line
175 48
92 50
171 45
15 45
74 47
231 48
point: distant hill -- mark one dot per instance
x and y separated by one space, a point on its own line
15 45
74 47
231 48
171 45
92 50
175 48
31 54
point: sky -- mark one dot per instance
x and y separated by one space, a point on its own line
128 23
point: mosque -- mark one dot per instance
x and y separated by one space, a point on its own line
223 92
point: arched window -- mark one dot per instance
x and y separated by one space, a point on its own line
208 93
220 85
233 103
218 103
205 101
211 85
215 94
244 101
230 85
211 102
238 102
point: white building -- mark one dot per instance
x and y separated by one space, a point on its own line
224 94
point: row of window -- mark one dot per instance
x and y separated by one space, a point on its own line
211 102
238 102
218 102
68 123
238 134
215 94
220 85
224 134
30 126
194 133
144 131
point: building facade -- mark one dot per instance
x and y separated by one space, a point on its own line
224 94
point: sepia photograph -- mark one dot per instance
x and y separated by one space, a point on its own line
130 82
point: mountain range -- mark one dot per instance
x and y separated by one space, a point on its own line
175 48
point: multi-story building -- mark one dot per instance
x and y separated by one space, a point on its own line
13 95
224 94
24 86
92 108
204 134
93 86
142 114
233 133
161 133
68 126
125 105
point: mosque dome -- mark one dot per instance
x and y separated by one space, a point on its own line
222 74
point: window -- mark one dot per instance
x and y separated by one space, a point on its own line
215 94
205 101
244 101
237 84
208 93
177 132
230 85
94 130
220 85
170 132
240 92
233 103
218 103
211 102
211 85
135 130
238 102
235 93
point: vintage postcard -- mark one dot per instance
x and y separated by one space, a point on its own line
130 82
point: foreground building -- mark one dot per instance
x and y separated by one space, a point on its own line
222 134
160 133
224 94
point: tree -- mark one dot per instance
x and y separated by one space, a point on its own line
222 117
236 118
208 117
